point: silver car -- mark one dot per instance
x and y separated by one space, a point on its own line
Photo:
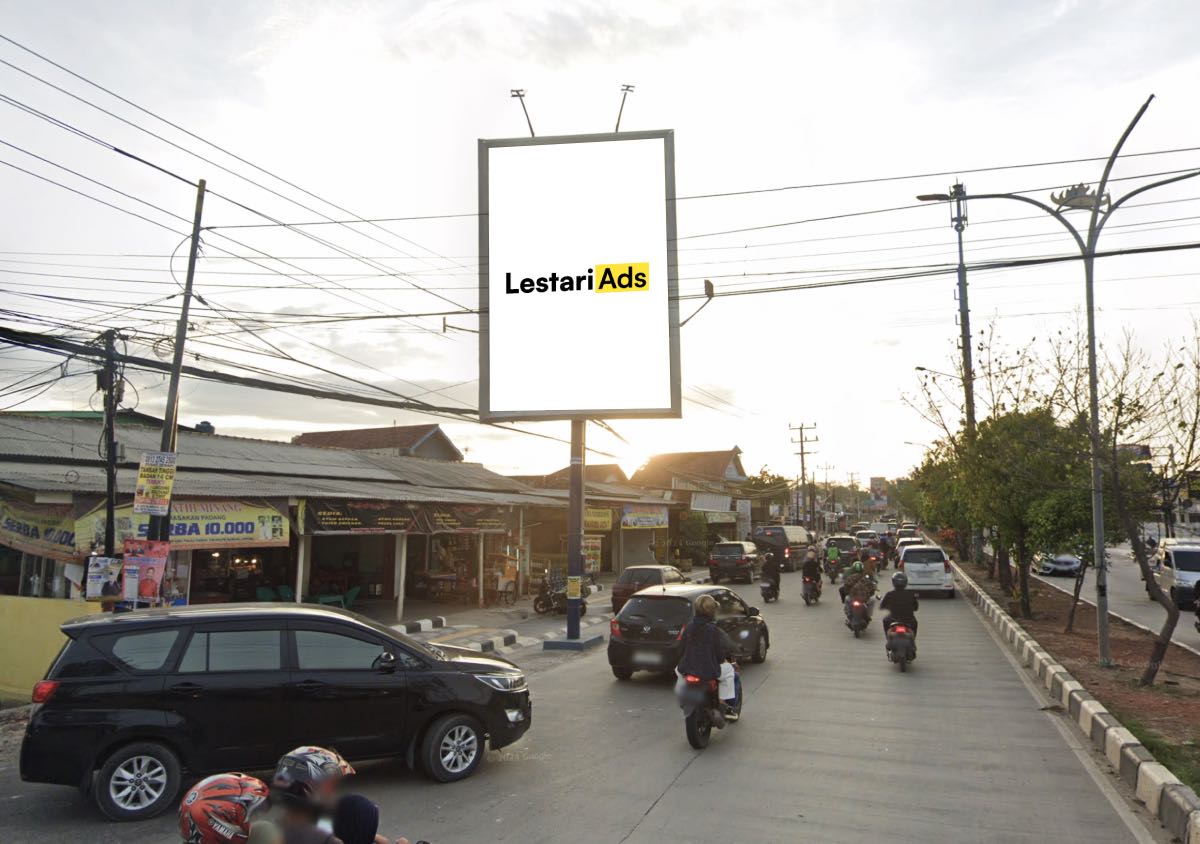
1050 565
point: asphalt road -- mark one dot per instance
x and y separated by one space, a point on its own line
835 745
1127 597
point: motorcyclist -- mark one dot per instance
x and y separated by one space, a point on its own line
771 570
221 802
305 784
900 604
833 556
707 650
857 584
811 569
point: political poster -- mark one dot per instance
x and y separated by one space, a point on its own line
103 579
145 562
592 548
156 479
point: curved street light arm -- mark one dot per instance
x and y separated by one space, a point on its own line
1141 190
1053 212
1093 229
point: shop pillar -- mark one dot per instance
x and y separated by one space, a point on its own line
303 566
479 575
401 564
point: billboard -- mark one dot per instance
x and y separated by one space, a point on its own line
578 282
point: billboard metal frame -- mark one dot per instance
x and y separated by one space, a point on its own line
486 414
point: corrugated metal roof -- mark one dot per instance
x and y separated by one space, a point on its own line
51 477
73 439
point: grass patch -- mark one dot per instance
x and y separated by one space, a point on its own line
1183 760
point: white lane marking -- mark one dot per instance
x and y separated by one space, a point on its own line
1082 753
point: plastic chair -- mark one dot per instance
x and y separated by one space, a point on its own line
266 593
350 597
286 593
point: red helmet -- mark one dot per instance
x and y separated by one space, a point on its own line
306 775
217 810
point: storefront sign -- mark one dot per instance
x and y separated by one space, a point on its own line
714 517
644 516
711 501
194 524
156 478
145 562
592 547
103 579
333 515
45 530
597 519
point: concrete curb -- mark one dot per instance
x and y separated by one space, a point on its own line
1176 806
423 625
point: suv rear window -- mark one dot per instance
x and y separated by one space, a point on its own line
728 549
1186 560
771 533
923 555
145 650
672 612
844 543
641 577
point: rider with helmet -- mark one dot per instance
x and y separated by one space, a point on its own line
771 570
811 570
305 785
900 604
217 810
706 651
857 584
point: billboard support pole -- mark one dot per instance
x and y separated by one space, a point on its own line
575 527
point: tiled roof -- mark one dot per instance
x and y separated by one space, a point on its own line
401 437
695 465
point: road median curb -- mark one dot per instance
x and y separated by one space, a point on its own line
1176 806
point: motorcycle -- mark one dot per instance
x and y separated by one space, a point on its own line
833 568
770 592
901 644
811 590
553 598
698 699
858 615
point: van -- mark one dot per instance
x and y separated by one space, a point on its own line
787 542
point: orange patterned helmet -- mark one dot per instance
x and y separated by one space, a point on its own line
217 810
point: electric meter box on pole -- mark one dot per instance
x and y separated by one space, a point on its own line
578 286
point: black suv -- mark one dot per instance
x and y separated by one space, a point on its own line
647 634
135 699
733 559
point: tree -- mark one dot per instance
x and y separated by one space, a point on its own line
1011 466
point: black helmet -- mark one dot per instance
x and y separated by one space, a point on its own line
900 580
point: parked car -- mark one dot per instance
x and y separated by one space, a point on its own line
647 634
1178 572
134 700
928 569
734 560
867 538
788 542
1057 564
636 578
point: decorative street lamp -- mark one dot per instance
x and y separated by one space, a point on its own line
1081 197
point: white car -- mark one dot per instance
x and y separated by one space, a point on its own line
928 569
1178 572
867 538
907 542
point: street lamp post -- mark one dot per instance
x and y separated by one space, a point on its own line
1080 197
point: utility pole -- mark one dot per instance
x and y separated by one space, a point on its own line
111 386
160 526
802 441
854 493
959 220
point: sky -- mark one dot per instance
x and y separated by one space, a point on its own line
377 107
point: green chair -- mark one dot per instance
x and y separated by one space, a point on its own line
286 593
350 597
266 593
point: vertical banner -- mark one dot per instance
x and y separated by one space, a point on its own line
103 579
592 547
145 562
156 478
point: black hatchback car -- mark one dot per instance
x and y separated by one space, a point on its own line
134 700
647 634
